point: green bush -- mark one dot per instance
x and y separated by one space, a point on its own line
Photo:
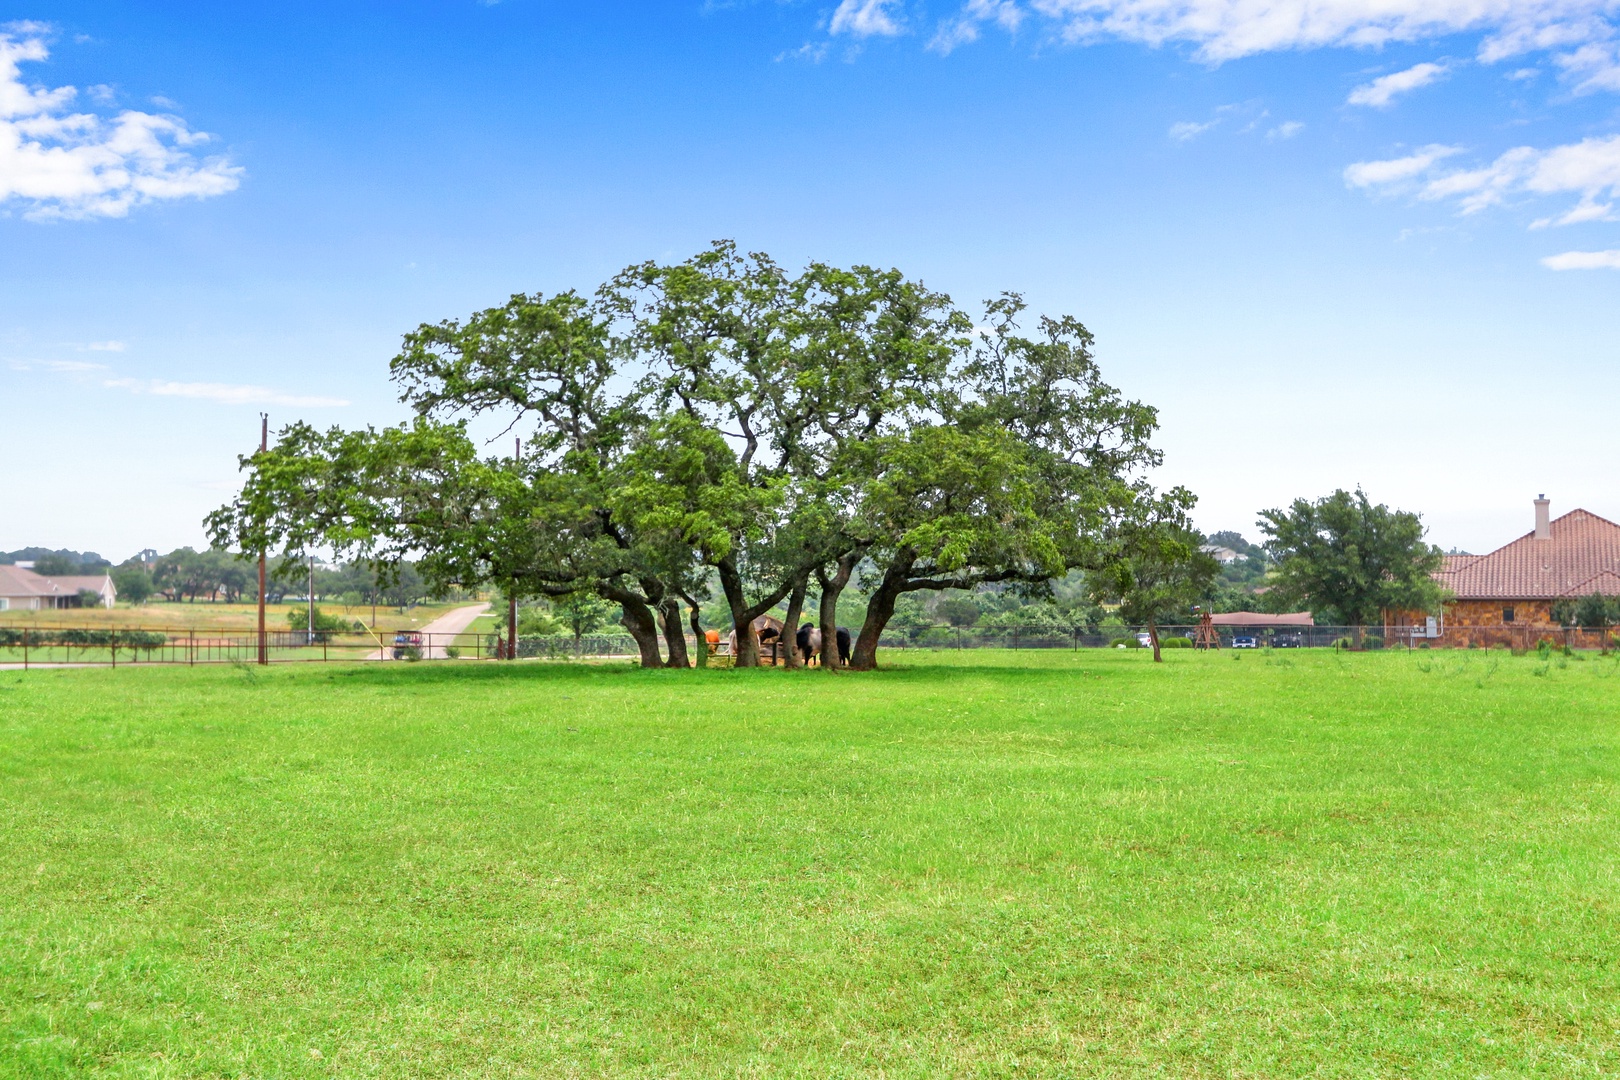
298 619
1175 643
1125 643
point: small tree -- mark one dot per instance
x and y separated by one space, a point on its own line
133 583
1158 572
1594 612
1353 560
584 613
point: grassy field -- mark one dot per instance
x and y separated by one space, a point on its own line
977 864
202 617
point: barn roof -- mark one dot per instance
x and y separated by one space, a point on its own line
1258 618
1581 556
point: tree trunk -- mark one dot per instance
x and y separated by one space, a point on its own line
746 653
790 625
699 640
669 614
879 610
742 615
827 614
1358 632
638 619
1153 636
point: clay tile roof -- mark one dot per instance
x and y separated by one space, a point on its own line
1256 618
1581 557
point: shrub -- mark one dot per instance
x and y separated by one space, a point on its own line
1125 643
1175 643
298 619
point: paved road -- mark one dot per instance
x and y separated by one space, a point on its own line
442 631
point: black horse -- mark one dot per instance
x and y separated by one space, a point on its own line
808 640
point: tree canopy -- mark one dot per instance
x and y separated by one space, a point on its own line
720 429
1351 560
1159 569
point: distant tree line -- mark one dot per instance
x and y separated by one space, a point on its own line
216 574
56 562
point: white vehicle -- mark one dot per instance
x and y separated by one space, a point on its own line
1145 640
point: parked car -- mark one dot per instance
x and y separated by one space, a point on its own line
1145 640
1287 641
1244 641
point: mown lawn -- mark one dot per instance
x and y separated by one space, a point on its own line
975 864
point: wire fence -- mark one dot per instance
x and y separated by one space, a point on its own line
28 646
94 646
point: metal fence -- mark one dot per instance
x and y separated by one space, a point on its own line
29 646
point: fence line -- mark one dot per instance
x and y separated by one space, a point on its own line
89 646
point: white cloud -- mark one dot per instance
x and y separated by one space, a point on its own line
1588 168
1597 65
1583 260
61 164
1381 92
813 51
1185 130
1286 130
1588 209
1395 170
964 29
106 346
1227 29
224 393
865 18
86 372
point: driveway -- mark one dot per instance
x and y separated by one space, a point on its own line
439 633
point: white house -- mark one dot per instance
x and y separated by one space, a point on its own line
23 590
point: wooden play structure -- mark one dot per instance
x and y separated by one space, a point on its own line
768 628
1206 637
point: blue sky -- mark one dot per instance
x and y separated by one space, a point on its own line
1335 242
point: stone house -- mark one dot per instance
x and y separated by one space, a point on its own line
1506 597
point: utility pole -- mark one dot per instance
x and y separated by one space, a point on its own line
311 599
511 595
264 447
511 626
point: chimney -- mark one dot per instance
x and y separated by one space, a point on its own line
1543 523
